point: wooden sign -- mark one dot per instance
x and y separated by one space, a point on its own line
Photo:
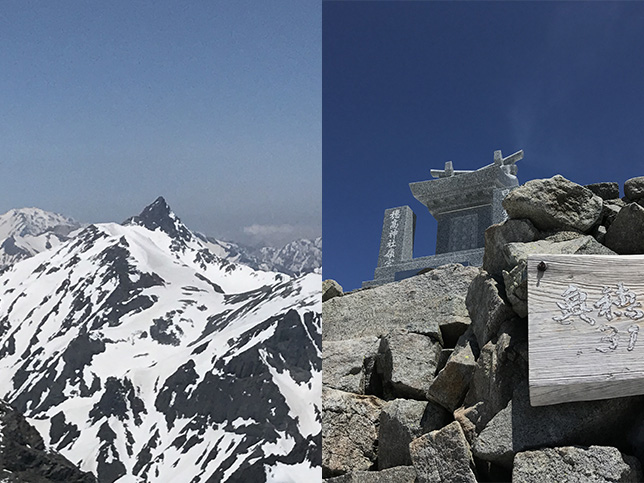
585 321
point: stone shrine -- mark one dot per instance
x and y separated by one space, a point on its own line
464 203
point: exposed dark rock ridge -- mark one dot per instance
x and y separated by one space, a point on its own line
488 431
23 457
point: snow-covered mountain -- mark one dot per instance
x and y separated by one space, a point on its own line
27 231
141 356
295 258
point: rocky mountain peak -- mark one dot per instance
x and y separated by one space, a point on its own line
159 215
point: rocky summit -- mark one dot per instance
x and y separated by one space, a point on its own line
426 380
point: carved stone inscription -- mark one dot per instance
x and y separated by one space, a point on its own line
394 220
585 314
574 304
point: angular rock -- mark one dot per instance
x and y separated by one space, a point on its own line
349 365
599 233
407 362
634 188
516 288
626 234
486 307
554 203
400 474
610 211
24 458
330 289
401 421
420 304
443 455
349 431
597 464
606 191
501 367
497 236
452 382
519 426
582 245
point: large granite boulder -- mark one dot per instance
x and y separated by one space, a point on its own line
497 236
516 255
349 365
401 421
407 363
349 431
606 191
451 384
443 455
486 307
420 304
554 203
634 188
400 474
597 464
330 289
501 367
626 234
520 427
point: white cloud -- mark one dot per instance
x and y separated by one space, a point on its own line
268 230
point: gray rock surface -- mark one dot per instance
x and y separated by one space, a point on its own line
519 426
349 365
419 304
452 382
443 455
497 236
554 203
516 288
610 210
597 464
407 362
501 367
516 254
24 457
349 431
606 191
626 234
634 188
330 289
400 474
401 421
486 308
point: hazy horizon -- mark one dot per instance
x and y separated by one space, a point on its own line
215 106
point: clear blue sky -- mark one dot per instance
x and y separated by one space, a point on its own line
410 85
215 105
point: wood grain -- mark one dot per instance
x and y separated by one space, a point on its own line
564 360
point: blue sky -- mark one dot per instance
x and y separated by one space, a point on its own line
213 104
408 86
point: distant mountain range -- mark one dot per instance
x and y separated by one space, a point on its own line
142 352
28 231
295 258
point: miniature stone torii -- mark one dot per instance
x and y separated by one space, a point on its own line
464 203
499 160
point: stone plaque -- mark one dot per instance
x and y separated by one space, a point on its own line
585 315
397 239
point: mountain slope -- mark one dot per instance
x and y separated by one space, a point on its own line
27 231
138 353
295 258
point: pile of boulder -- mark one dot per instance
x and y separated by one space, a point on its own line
426 379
